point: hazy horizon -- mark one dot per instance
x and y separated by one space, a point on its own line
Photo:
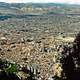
42 1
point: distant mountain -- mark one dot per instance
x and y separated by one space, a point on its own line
38 5
26 8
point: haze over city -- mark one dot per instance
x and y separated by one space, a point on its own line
42 1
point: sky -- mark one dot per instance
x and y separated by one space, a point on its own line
42 1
